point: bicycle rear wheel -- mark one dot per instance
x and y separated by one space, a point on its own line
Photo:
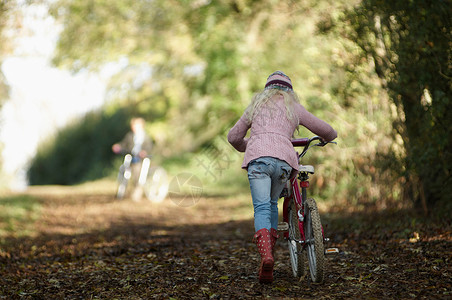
314 241
156 186
297 260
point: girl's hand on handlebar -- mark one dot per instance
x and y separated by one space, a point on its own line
142 154
116 148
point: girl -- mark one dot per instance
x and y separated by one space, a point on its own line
273 116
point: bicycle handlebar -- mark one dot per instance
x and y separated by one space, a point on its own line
306 142
300 142
124 153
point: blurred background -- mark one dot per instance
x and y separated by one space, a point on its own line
74 72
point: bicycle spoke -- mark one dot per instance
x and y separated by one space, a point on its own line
156 186
295 248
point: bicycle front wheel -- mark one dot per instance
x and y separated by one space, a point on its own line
295 249
314 241
156 186
123 179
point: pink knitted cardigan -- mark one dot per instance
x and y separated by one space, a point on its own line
272 131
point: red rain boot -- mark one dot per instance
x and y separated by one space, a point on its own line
273 236
264 245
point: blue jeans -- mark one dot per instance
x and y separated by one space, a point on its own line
267 177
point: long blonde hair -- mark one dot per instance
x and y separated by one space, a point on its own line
261 98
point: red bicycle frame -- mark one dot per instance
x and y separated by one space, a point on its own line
305 215
296 197
298 186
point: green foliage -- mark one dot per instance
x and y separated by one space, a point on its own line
81 151
192 66
5 7
204 59
195 65
5 11
409 43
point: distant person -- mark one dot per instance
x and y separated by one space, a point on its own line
273 116
139 145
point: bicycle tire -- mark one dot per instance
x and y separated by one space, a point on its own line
122 183
157 185
297 260
314 241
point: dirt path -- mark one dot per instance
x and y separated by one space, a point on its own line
90 246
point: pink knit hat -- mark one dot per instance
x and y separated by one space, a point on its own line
278 80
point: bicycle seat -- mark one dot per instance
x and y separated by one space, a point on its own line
306 168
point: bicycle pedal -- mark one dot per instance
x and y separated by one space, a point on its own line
283 226
331 251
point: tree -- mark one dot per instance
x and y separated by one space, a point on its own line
198 57
5 8
410 44
191 67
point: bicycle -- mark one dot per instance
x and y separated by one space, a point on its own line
301 220
152 180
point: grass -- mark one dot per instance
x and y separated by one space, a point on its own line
218 177
18 214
